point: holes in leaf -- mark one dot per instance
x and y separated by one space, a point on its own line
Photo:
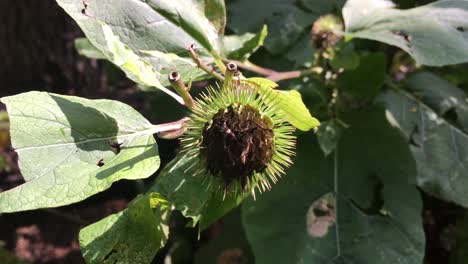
376 206
85 7
451 116
321 216
413 138
408 39
109 258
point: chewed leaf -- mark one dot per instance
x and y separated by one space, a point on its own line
290 103
321 216
70 148
131 236
433 34
351 208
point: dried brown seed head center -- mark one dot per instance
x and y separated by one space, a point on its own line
237 143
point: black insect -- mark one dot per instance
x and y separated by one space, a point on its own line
116 147
100 163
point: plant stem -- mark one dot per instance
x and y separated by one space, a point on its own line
275 75
231 72
172 130
182 90
247 65
207 68
280 76
166 127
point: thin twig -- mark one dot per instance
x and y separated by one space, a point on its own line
281 76
207 68
275 75
249 66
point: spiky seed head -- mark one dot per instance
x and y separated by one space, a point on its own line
324 32
239 138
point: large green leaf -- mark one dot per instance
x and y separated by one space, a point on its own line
284 18
355 206
328 135
178 183
155 33
188 191
441 96
241 47
367 79
440 148
434 34
131 236
70 148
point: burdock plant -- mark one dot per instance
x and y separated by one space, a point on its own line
236 136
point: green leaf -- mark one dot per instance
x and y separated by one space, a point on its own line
135 67
215 11
241 47
328 135
285 20
353 207
155 33
87 49
346 59
441 96
219 205
301 53
318 6
433 34
184 190
440 148
290 104
68 148
7 257
131 236
183 185
367 79
230 243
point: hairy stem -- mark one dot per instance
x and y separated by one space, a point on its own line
168 128
207 68
275 75
281 76
177 83
249 66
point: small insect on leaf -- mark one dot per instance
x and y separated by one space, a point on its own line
100 163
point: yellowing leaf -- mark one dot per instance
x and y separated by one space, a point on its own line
290 103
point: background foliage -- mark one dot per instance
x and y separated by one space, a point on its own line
393 131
